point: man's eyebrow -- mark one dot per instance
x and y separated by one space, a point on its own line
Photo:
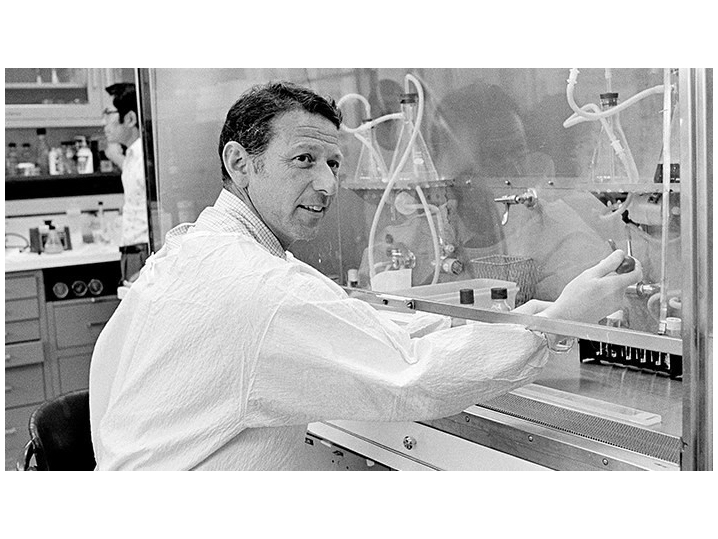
314 145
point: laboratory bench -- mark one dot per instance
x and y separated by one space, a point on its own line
17 260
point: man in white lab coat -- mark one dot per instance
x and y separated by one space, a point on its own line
227 346
124 148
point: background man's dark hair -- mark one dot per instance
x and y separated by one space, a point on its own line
249 120
124 99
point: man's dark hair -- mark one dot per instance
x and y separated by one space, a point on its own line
249 120
124 98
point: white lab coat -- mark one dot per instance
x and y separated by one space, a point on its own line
221 354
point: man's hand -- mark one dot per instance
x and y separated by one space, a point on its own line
533 306
595 293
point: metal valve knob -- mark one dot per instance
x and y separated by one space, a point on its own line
409 442
528 199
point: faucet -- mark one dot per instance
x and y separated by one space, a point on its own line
528 199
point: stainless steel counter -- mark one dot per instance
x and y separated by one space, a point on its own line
618 385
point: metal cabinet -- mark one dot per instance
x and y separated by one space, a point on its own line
48 348
26 383
56 97
74 327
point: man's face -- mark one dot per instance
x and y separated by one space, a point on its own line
297 175
115 131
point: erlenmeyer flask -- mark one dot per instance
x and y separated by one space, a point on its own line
370 167
418 166
612 161
53 244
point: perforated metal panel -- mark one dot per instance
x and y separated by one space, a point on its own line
646 442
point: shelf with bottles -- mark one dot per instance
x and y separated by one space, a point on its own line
55 152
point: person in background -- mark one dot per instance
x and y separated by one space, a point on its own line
122 130
227 346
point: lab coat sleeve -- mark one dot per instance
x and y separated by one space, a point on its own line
336 358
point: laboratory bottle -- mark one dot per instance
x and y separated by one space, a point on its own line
353 278
54 158
53 244
370 166
11 159
68 161
43 152
419 166
100 232
83 156
466 297
26 155
612 161
499 299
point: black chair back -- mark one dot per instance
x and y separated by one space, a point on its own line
60 434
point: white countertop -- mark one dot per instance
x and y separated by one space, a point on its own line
86 254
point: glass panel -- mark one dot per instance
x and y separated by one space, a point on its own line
517 196
46 86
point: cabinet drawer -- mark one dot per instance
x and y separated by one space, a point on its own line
17 433
24 385
26 330
81 323
21 309
24 354
20 287
74 372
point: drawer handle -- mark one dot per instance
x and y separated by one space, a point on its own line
8 389
409 442
7 357
10 432
95 324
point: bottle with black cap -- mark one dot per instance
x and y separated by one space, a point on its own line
499 297
466 297
53 244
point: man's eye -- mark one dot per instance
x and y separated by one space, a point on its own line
305 158
334 164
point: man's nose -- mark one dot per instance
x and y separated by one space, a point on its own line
325 181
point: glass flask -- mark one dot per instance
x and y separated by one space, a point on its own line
371 166
53 244
612 161
419 165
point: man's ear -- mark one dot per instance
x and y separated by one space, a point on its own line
237 162
131 119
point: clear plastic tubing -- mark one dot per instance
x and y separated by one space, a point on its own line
663 312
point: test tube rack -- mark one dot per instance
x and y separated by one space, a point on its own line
617 355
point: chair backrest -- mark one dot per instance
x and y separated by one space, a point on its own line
60 433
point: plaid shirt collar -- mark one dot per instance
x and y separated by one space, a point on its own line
230 214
